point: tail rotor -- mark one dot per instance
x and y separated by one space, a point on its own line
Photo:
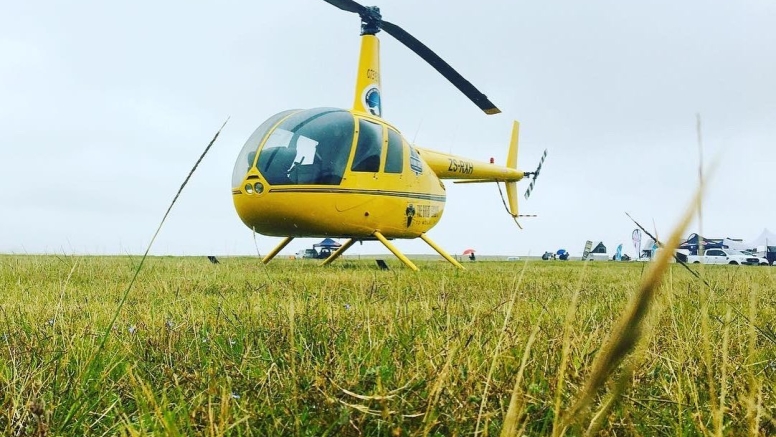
534 175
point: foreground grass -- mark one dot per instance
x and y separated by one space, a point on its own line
295 349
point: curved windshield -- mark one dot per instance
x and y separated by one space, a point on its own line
247 156
309 147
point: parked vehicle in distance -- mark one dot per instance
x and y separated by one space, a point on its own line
324 253
724 256
307 254
763 260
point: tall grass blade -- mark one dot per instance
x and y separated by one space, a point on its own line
90 370
512 418
627 331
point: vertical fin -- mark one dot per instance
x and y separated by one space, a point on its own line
368 97
512 163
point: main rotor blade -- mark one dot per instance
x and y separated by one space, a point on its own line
347 5
479 99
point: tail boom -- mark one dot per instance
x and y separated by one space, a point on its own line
465 170
448 166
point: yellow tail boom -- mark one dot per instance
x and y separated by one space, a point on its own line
467 170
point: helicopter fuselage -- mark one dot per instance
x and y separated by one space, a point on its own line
332 172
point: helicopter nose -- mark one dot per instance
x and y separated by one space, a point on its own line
247 201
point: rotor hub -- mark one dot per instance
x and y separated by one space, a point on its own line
371 20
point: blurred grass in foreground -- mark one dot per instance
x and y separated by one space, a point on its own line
295 349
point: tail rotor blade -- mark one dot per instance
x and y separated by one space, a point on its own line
541 161
535 175
530 188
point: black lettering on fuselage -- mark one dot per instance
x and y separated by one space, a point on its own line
427 211
458 166
373 75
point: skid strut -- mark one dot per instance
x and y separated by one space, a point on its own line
441 251
395 251
275 251
339 252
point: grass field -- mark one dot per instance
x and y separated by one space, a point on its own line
295 349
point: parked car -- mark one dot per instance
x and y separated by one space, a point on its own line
763 261
307 254
324 253
724 256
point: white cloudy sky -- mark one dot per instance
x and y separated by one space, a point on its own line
105 106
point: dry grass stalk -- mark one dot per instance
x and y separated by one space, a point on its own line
753 400
439 384
720 413
498 347
628 330
514 412
556 429
619 388
708 363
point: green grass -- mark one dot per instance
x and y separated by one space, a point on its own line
295 349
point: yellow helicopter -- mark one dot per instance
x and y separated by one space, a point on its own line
329 172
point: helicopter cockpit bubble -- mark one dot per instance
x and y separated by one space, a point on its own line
247 156
309 147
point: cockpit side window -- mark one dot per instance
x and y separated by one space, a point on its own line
369 147
394 158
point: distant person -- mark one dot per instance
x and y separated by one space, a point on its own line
471 256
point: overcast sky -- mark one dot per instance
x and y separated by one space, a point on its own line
105 106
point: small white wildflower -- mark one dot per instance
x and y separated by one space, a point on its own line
132 329
235 395
347 306
50 322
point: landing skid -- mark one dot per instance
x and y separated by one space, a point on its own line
406 260
379 237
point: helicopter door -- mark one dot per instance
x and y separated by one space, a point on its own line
394 155
369 147
365 166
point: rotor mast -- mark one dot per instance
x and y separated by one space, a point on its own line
371 23
368 93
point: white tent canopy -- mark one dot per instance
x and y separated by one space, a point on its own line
766 238
736 244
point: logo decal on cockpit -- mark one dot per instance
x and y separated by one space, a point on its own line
372 101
